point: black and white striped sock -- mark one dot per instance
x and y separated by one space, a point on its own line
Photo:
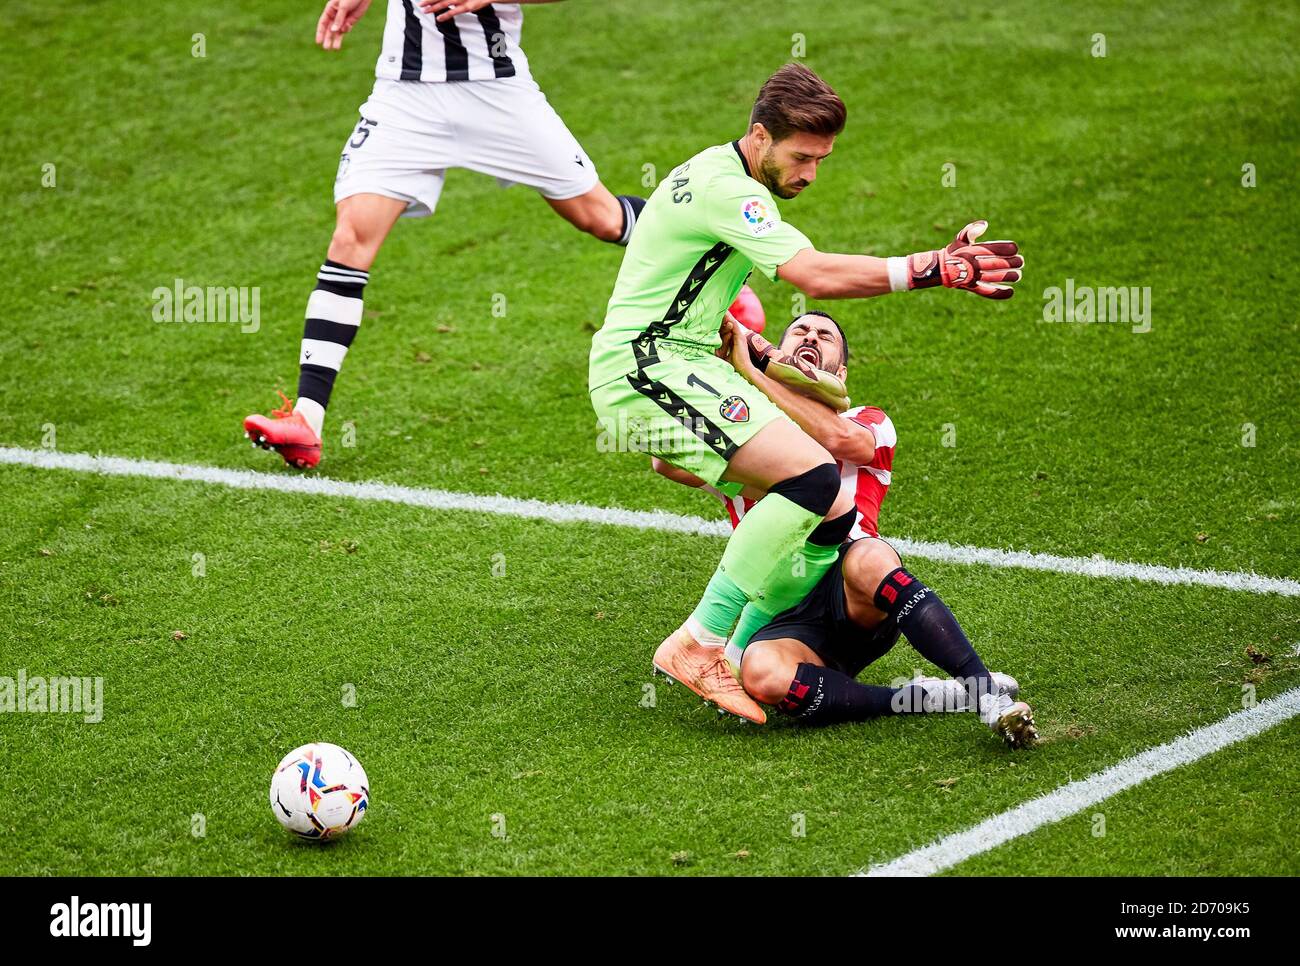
333 314
632 206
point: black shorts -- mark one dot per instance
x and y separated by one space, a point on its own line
820 622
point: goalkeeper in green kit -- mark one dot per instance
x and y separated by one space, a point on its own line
655 369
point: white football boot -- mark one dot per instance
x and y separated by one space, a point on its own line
948 694
1012 721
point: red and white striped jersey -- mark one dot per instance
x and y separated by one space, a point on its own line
869 483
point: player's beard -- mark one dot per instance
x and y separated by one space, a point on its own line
824 364
772 177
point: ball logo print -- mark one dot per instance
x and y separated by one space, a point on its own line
319 791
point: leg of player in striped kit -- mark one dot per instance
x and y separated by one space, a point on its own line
334 312
333 315
452 90
335 307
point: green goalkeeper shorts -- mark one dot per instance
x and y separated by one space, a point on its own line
693 413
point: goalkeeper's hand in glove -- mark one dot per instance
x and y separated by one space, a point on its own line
986 268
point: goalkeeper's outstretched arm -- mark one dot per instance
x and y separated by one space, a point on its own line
988 269
826 275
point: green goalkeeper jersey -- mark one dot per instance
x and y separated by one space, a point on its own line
704 229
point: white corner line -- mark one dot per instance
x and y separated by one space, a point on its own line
1078 795
1095 566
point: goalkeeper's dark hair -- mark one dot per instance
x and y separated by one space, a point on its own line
844 339
796 99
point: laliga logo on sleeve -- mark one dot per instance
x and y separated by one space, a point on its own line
756 216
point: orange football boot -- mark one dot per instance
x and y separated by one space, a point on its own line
706 672
286 432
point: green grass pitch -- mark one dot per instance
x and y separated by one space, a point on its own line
516 703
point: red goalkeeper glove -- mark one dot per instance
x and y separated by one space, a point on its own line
986 269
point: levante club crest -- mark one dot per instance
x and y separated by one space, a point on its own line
735 409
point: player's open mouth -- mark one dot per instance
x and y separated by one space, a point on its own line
809 354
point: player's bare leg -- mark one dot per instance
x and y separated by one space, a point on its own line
333 316
787 673
769 668
362 223
599 213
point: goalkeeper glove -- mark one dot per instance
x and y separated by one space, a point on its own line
980 268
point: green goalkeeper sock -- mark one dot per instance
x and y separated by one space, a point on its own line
717 609
752 620
758 556
788 586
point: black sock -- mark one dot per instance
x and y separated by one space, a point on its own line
931 628
333 315
632 206
822 695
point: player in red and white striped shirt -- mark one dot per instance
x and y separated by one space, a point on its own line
805 659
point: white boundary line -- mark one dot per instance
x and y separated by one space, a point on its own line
1095 566
1076 796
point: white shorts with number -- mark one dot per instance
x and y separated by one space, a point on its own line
411 132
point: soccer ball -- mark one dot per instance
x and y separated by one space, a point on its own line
319 791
